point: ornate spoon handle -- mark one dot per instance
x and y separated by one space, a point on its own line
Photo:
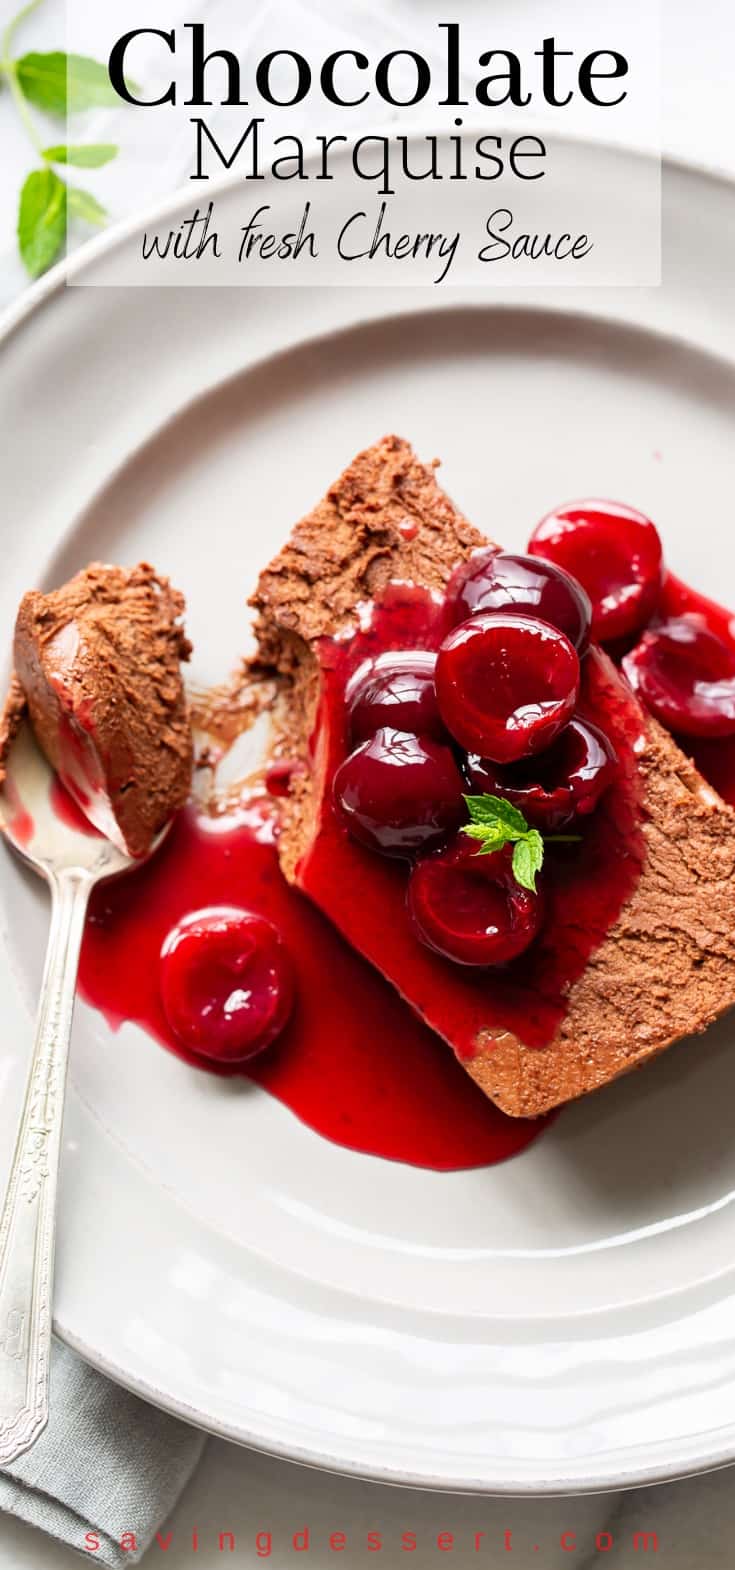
28 1223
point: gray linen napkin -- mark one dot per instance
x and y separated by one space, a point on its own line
108 1463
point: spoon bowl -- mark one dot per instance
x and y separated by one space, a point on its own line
50 839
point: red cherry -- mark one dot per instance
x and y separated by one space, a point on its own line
506 684
395 690
685 675
226 983
615 553
560 784
468 906
399 793
496 581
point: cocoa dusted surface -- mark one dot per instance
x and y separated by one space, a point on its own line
106 649
385 518
667 967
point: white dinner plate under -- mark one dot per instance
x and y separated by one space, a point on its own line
562 1322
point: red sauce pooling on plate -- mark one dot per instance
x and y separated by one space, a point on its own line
586 884
354 1063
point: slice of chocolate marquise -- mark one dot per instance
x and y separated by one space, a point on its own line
636 948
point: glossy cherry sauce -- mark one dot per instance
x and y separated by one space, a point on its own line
586 885
355 1063
67 810
21 824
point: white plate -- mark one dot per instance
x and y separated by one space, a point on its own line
566 1321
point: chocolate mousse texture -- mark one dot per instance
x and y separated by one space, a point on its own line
98 670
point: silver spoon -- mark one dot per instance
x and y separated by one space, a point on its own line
72 862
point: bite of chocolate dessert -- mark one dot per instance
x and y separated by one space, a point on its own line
98 671
487 806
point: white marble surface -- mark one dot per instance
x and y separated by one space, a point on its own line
245 1494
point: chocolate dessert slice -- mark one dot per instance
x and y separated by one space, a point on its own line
639 941
98 668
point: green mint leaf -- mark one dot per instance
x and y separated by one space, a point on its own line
82 204
41 220
42 80
62 83
82 157
495 822
493 810
490 837
528 856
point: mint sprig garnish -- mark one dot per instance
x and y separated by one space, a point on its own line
495 822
